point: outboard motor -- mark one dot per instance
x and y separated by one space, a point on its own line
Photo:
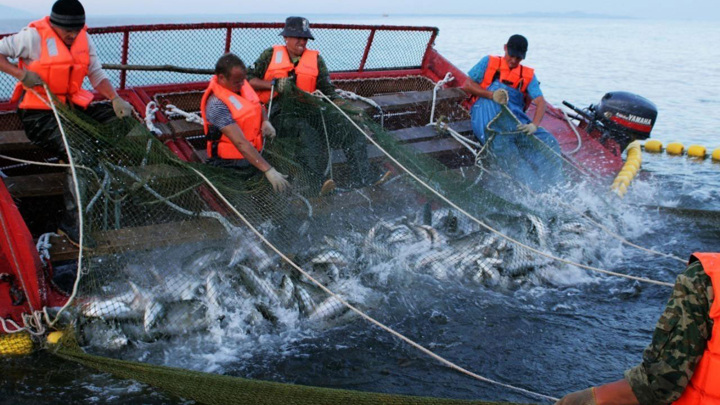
620 116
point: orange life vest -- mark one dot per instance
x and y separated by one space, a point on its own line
245 109
704 386
518 78
306 71
62 69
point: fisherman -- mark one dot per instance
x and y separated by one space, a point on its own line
292 67
680 366
58 52
235 122
500 81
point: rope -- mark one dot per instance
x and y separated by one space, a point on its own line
358 311
189 117
150 109
484 225
568 161
328 169
43 246
577 134
353 96
76 186
448 78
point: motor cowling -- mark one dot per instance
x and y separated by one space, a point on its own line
626 115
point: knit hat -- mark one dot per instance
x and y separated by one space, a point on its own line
68 14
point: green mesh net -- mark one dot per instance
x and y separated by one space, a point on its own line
179 253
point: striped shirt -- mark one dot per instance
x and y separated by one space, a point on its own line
217 113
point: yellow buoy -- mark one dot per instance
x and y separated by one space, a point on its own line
54 337
697 151
675 149
653 146
716 155
16 344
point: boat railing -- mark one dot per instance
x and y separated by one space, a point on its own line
351 49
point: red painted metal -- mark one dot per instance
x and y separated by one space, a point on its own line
19 262
368 74
367 50
177 27
228 39
124 57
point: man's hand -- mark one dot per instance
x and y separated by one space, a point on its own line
31 79
277 180
122 108
500 96
528 129
267 129
282 85
584 397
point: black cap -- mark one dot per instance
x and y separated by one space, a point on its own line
68 14
517 46
297 27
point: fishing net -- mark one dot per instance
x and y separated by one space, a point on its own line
181 254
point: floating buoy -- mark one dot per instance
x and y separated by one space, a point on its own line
675 149
16 344
697 151
54 337
716 155
653 146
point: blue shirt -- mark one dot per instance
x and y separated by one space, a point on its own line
217 113
477 73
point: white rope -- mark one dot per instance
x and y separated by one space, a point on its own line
577 134
358 311
484 225
34 162
81 233
272 96
43 246
150 109
189 117
347 94
448 78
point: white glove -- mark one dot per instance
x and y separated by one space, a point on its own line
500 96
529 129
282 85
268 130
122 108
277 179
31 79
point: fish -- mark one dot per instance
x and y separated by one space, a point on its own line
307 304
113 308
328 309
287 288
153 311
202 259
257 285
213 294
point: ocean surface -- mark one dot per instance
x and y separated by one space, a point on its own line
551 338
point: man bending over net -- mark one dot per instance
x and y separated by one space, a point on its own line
292 70
235 123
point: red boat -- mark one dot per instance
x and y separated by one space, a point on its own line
395 66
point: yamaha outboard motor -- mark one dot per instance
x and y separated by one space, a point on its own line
621 116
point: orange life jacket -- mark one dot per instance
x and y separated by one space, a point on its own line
704 386
518 78
306 71
62 69
245 109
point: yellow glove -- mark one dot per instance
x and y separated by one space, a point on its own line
528 129
277 180
584 397
500 96
268 130
122 108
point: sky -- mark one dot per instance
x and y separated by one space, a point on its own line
664 9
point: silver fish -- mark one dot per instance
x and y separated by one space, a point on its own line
257 285
113 308
287 287
328 309
202 259
153 312
307 304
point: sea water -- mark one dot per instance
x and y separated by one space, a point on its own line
551 338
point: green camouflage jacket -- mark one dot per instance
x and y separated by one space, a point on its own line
258 69
678 343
